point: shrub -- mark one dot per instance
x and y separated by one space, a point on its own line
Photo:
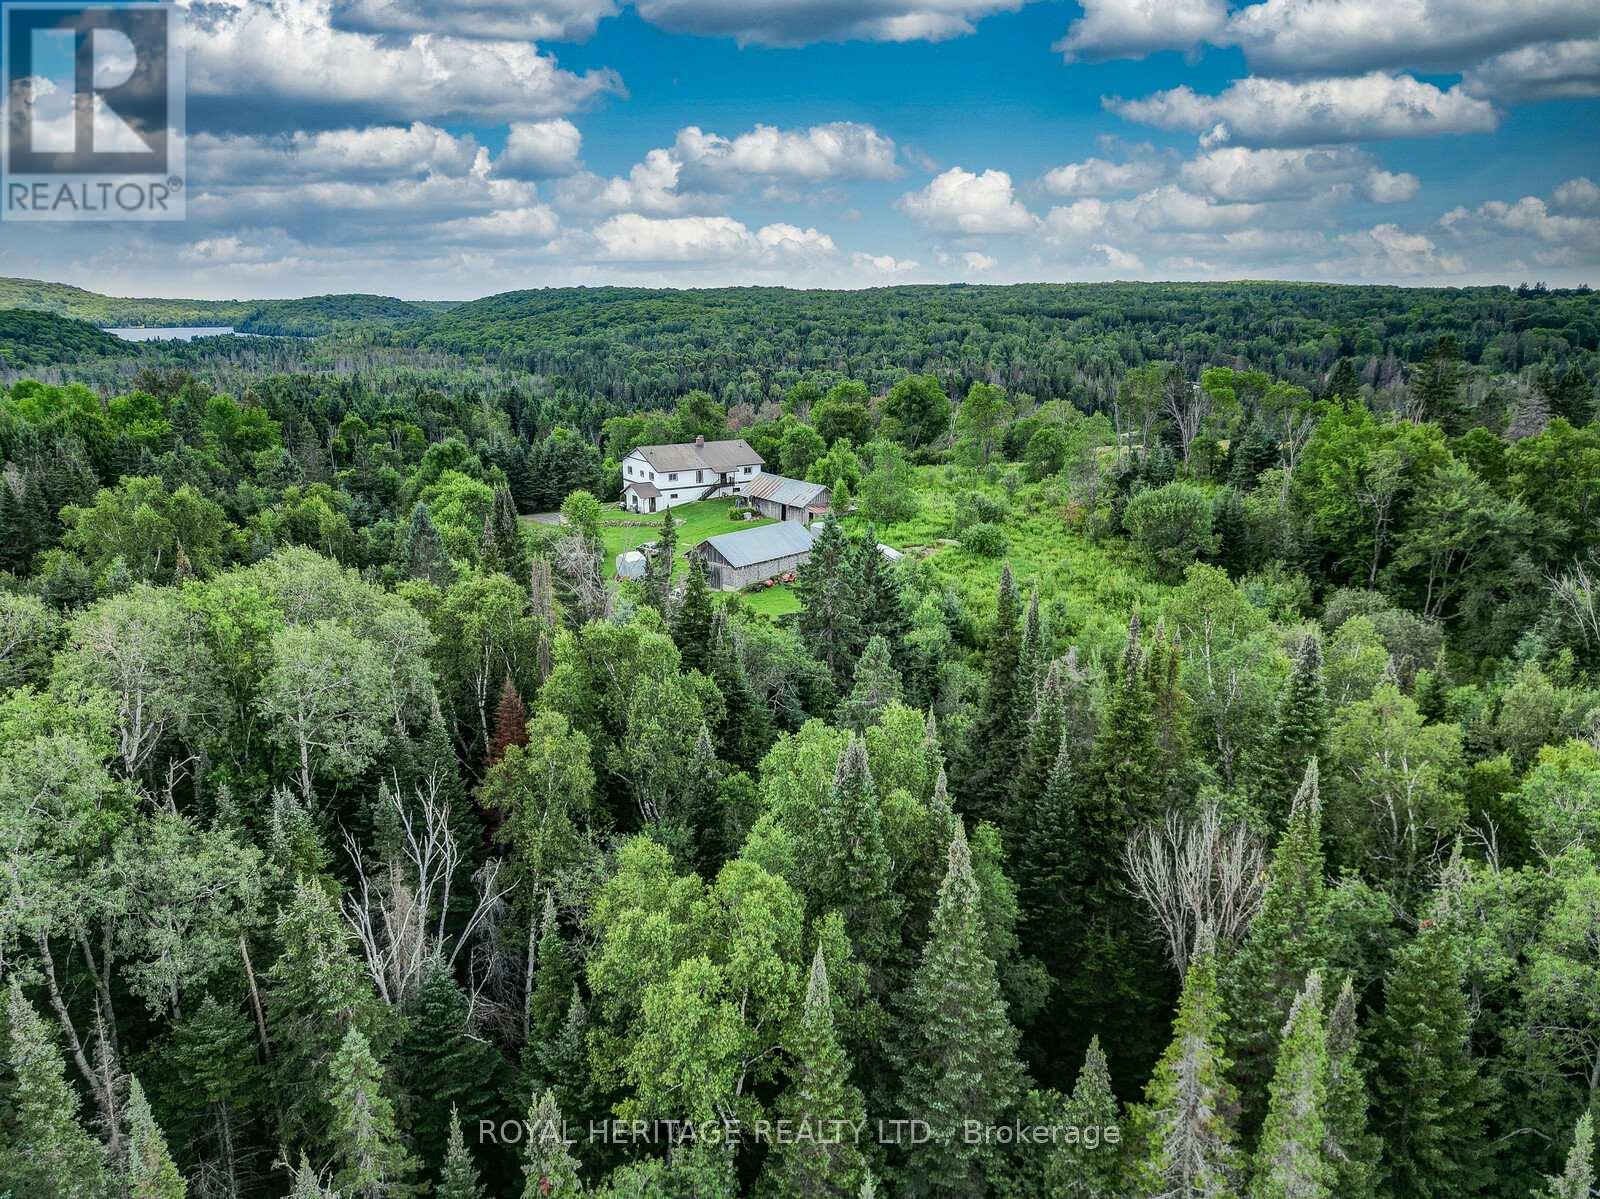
985 539
1171 527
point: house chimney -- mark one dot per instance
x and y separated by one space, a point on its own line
699 441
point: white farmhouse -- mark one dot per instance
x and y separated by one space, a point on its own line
655 477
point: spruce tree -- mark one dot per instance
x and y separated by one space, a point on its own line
308 1183
995 742
554 977
510 550
1436 386
1031 658
852 867
1298 733
691 627
548 1165
1186 1134
439 1065
510 722
50 1155
1286 941
1572 399
371 1159
1091 1169
744 728
1040 751
825 1159
658 572
1353 1150
458 1176
152 1174
1577 1180
1427 1090
831 618
426 557
959 1049
1291 1161
880 595
877 685
1343 384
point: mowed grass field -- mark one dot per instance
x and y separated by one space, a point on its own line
623 531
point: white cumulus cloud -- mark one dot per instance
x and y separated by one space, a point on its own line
799 22
959 201
1135 28
540 149
508 20
1568 70
1281 112
1101 177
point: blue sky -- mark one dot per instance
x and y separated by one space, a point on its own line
454 148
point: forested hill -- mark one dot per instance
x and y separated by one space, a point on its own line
640 347
38 339
308 317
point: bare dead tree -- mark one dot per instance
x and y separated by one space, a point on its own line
579 563
1201 875
400 913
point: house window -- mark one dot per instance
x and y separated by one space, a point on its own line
699 476
673 496
672 478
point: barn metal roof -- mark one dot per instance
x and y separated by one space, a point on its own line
780 490
749 546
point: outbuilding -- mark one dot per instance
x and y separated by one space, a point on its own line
735 560
630 565
787 499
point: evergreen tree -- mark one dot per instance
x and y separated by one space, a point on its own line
1286 941
824 1160
371 1158
510 722
565 1061
1428 1091
658 571
49 1154
1091 1171
1291 1161
505 548
853 868
439 1066
744 728
1436 386
554 978
830 619
549 1167
458 1177
996 739
880 595
1343 383
1299 733
1572 398
1577 1180
691 627
1352 1149
152 1174
1048 871
315 993
1186 1133
877 685
307 1183
959 1048
1031 659
426 557
1041 750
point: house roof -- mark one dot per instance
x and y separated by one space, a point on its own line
713 455
779 490
648 490
749 546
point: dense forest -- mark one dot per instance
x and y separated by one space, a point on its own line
1204 803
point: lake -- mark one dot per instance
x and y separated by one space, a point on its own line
175 332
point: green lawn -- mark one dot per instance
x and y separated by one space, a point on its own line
696 522
771 601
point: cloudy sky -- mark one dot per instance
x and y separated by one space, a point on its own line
454 148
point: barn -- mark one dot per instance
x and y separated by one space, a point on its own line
735 560
786 499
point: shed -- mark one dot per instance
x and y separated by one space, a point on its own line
630 565
735 560
787 499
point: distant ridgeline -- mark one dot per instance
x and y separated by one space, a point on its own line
43 339
310 317
642 348
626 349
